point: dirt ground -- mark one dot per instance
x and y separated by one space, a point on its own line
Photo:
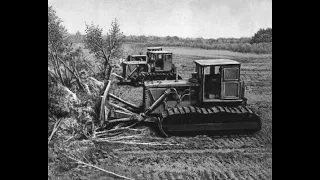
199 157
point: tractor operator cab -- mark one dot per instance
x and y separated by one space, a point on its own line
220 80
152 49
160 60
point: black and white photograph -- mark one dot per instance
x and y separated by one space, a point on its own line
160 89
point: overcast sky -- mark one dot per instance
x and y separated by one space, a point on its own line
182 18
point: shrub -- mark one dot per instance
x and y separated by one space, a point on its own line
58 105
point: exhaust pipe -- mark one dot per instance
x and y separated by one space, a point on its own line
176 74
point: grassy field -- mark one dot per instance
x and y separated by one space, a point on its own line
199 157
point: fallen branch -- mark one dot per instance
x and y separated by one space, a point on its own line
123 101
69 138
116 138
102 117
112 130
137 129
119 107
108 134
122 112
121 120
55 128
137 143
109 172
107 131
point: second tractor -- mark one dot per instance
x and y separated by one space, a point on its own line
155 65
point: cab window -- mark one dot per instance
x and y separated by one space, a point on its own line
168 57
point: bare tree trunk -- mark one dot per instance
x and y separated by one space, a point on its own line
57 68
108 72
108 67
105 70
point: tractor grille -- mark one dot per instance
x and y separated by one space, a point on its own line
231 90
231 73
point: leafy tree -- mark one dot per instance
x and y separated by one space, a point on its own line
63 59
78 37
142 38
263 35
104 49
56 32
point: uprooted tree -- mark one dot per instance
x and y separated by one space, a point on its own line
104 49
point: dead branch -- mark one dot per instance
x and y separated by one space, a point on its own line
130 142
117 138
120 120
55 128
108 131
102 117
80 83
119 107
123 101
96 167
124 128
122 112
69 139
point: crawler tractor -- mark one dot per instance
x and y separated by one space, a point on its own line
132 68
211 101
156 65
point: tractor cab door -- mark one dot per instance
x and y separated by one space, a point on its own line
230 82
211 82
159 61
167 62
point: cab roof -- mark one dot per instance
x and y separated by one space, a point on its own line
160 52
214 62
154 47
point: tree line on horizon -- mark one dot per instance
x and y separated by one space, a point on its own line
260 42
263 35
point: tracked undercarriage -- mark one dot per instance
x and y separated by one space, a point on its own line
180 113
213 120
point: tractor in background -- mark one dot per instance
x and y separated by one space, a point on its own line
156 65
